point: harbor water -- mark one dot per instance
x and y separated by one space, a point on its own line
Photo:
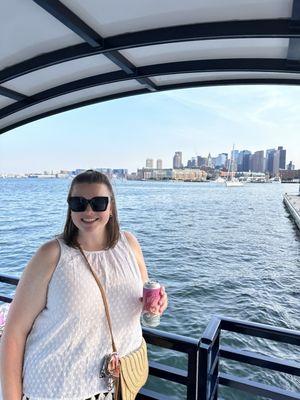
217 250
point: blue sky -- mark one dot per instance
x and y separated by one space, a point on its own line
123 133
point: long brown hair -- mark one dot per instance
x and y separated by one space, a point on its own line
70 231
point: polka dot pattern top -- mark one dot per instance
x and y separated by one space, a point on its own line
65 348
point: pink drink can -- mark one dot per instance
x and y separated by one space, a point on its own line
151 297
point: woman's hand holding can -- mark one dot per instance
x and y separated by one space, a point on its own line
155 301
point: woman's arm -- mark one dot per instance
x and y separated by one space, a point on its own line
28 302
134 244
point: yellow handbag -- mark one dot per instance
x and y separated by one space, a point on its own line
134 372
126 374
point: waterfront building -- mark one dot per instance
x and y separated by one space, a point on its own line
189 174
162 174
212 173
276 163
132 176
282 157
221 160
62 175
78 171
289 175
243 164
235 155
246 160
149 163
234 160
201 161
151 173
269 161
192 163
275 160
290 166
209 162
145 173
258 161
120 173
177 160
42 176
107 171
239 165
159 163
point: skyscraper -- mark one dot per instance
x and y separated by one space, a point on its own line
221 160
258 161
177 160
149 163
276 163
270 161
209 161
244 161
234 159
158 163
192 163
201 161
282 157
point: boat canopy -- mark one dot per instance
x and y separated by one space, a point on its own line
59 55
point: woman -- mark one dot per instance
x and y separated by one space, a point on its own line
56 334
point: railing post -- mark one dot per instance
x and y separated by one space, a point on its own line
214 371
192 373
203 371
208 367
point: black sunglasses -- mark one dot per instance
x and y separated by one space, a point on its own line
79 204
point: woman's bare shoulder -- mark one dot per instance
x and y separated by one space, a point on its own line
31 292
50 249
46 257
131 238
134 244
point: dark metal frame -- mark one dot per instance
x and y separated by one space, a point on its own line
12 94
269 28
211 352
187 377
294 43
111 46
188 85
202 377
146 72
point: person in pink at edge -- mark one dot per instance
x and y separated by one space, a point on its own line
56 333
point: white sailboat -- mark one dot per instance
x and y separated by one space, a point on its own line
219 180
234 182
231 181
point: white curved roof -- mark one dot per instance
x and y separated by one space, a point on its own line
59 55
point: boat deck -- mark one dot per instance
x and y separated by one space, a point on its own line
293 205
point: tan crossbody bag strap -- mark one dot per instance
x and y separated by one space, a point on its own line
104 300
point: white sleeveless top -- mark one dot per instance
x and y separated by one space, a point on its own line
66 346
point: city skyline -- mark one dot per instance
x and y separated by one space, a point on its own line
124 132
159 163
178 161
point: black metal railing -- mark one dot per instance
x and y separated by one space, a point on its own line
11 280
210 379
202 377
186 377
